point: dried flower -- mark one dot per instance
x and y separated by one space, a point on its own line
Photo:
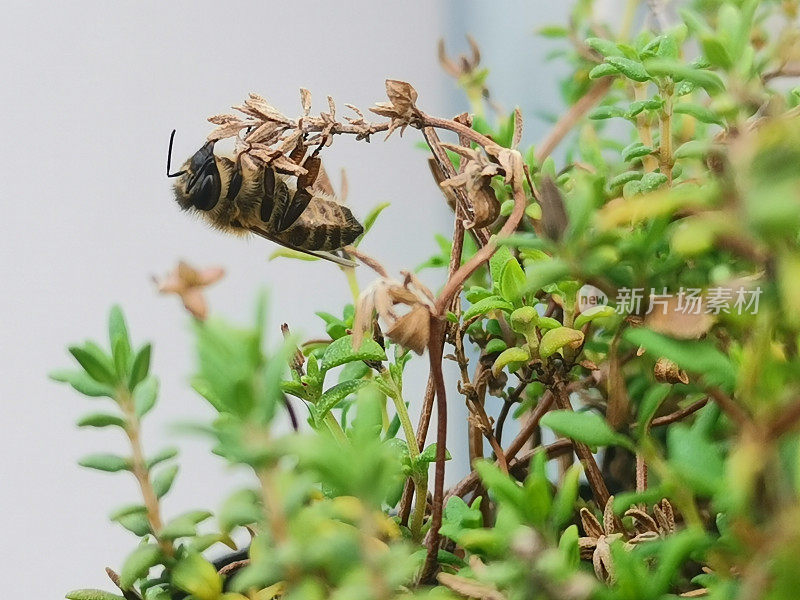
475 178
660 525
410 330
188 283
596 544
401 108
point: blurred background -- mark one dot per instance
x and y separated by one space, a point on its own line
90 93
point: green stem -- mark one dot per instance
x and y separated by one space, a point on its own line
336 429
420 481
352 281
141 471
665 146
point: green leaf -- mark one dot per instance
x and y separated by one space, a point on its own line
101 420
196 576
241 508
661 67
128 509
652 181
371 217
495 345
184 525
140 367
604 47
282 252
99 370
634 108
697 459
144 396
603 70
110 463
118 338
649 405
121 355
569 547
555 339
164 455
701 113
89 594
505 490
162 482
606 112
632 69
486 306
623 178
136 523
635 150
692 149
294 388
498 262
138 564
83 383
334 395
429 455
587 427
564 502
694 356
341 351
513 358
545 272
590 314
715 51
512 282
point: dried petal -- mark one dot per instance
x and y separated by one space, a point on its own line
590 523
517 128
305 100
608 517
412 330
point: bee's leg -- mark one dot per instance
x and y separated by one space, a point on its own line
302 196
268 201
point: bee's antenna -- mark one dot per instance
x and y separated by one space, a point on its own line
169 157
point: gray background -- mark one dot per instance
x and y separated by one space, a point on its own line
90 92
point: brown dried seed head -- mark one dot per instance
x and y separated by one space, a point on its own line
667 371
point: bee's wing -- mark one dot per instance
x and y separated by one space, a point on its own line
335 258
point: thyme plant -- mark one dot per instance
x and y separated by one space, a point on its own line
634 306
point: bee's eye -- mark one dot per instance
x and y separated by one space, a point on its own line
206 195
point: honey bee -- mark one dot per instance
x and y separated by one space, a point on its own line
240 199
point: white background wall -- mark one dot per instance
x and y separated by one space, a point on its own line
90 91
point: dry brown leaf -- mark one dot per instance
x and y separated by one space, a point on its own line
469 588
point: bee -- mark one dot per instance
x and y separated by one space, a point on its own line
240 199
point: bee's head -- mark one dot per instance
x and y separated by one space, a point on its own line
199 184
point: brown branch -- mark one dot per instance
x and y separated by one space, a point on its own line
678 414
786 421
729 406
545 402
435 346
565 124
471 481
584 453
454 283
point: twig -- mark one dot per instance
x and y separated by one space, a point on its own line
554 450
731 408
679 414
435 346
565 124
584 453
